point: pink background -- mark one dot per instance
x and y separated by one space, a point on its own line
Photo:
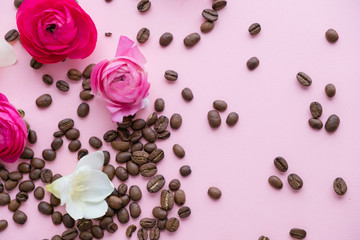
273 110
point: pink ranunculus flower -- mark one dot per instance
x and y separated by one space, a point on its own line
13 131
53 30
122 81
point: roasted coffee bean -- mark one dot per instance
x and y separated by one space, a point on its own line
86 95
144 5
35 64
174 185
159 105
4 174
214 192
19 217
123 157
137 147
315 123
56 237
179 197
106 157
126 122
123 215
132 168
149 134
254 29
87 71
22 196
17 3
74 74
159 213
295 181
32 137
330 90
4 199
140 157
214 119
184 212
97 232
130 230
210 15
62 85
55 177
149 147
331 35
86 84
95 142
28 153
220 105
172 224
135 210
10 184
120 146
207 26
54 201
156 155
298 233
58 134
340 186
232 119
15 176
151 119
86 235
72 134
218 4
35 174
135 193
135 136
66 124
281 164
154 233
112 227
39 193
68 221
175 121
125 199
164 135
185 170
142 234
275 182
46 175
74 146
178 151
49 154
110 136
138 124
161 224
110 212
84 225
166 200
3 225
304 79
316 109
109 170
332 123
45 208
191 40
171 75
122 189
47 79
43 101
143 35
161 124
155 183
26 186
253 63
166 39
1 187
148 170
83 110
147 222
69 234
105 221
263 238
58 142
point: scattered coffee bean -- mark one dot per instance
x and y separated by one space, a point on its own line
263 238
15 176
97 232
32 137
74 146
39 193
161 224
122 189
49 154
330 90
275 182
185 170
3 225
304 79
340 186
109 170
151 119
86 95
135 136
4 174
253 63
35 64
120 146
143 35
331 35
72 134
87 71
166 39
135 193
54 201
210 15
172 224
10 184
155 183
174 185
179 197
142 234
28 153
315 123
108 34
149 135
232 119
44 101
167 200
281 164
332 123
62 85
187 94
144 5
156 156
220 105
140 157
178 151
218 4
55 177
159 105
175 121
123 157
45 208
86 235
1 187
171 75
17 3
74 74
95 142
83 110
214 119
46 175
147 222
123 215
19 217
86 84
149 147
68 221
84 225
316 109
161 124
207 26
26 186
138 124
110 136
132 168
137 146
214 192
184 212
56 144
295 181
130 230
105 221
191 40
148 169
112 227
135 210
254 29
35 174
22 196
298 233
47 79
154 233
66 124
4 199
159 213
58 134
69 234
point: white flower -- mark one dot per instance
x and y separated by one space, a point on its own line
7 54
85 189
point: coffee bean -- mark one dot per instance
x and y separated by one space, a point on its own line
1 187
220 105
126 122
44 101
56 144
171 75
110 136
154 233
149 134
218 4
166 200
54 201
74 146
15 176
185 170
35 174
112 227
35 64
147 222
95 142
4 174
214 119
97 232
332 123
26 186
55 177
49 154
281 164
340 186
179 197
22 196
275 182
24 167
10 184
298 233
87 71
304 79
68 221
135 136
184 212
62 85
72 134
191 40
253 63
159 213
232 119
175 121
140 157
28 153
123 157
138 124
254 29
149 147
17 3
123 215
66 124
161 124
165 41
207 27
45 208
315 123
32 137
214 193
316 109
331 35
46 175
135 210
87 235
58 134
263 238
110 212
4 199
143 35
86 84
161 224
125 199
151 119
120 146
137 147
69 234
135 193
122 189
83 110
142 234
144 5
109 170
47 79
148 169
105 221
330 90
74 74
84 224
210 15
132 168
86 95
159 105
174 185
155 183
39 193
19 217
163 135
295 181
108 34
157 155
130 230
3 225
172 224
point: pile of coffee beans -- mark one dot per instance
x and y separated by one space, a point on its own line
214 118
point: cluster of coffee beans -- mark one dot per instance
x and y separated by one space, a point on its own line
214 118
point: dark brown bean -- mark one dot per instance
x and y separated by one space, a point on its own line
174 185
159 105
22 196
45 208
330 90
331 35
10 184
123 157
281 164
84 224
32 137
110 136
46 175
220 105
214 119
154 233
159 213
295 181
56 144
149 147
135 210
35 64
86 84
149 134
156 155
175 121
105 221
109 170
297 233
140 157
44 101
15 176
135 193
142 234
218 4
148 169
254 29
253 63
232 119
137 147
143 35
74 146
95 142
86 95
35 174
3 225
185 170
166 39
56 218
161 124
83 110
315 123
304 79
68 221
144 5
275 182
214 192
340 186
14 205
24 167
132 168
72 134
316 109
19 217
191 40
155 183
171 75
26 186
49 154
4 199
69 234
74 74
17 3
62 85
332 123
179 197
37 163
39 193
123 215
207 26
86 236
47 79
172 224
184 212
147 222
87 71
28 153
138 124
130 230
210 15
166 200
66 124
97 232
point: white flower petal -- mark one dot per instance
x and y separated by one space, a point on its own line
7 54
94 160
95 210
75 209
61 188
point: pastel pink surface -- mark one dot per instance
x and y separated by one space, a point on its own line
273 110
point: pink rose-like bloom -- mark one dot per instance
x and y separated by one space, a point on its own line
122 81
13 132
53 30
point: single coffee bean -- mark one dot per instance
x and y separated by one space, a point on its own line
207 26
69 234
74 74
154 233
147 222
74 146
151 119
49 154
143 35
174 185
120 146
220 105
184 212
17 3
144 5
254 29
4 199
86 95
86 84
156 156
135 210
304 79
232 119
175 121
148 169
191 40
22 196
32 137
137 147
62 85
210 15
130 230
138 124
135 193
155 183
97 232
112 227
214 192
281 164
185 170
84 225
132 168
83 110
179 197
55 177
15 176
95 142
166 200
35 174
316 109
44 101
159 105
26 186
68 221
110 136
171 75
275 182
54 201
110 212
172 224
332 123
28 153
149 134
340 186
109 170
149 147
46 175
86 235
39 193
19 217
3 225
140 157
161 224
331 35
105 221
35 64
72 134
56 144
135 136
263 238
295 181
166 39
10 184
123 157
45 208
214 119
253 63
164 135
218 4
298 233
125 199
123 215
161 124
142 234
58 134
330 90
159 213
315 123
66 124
4 174
122 189
47 79
87 71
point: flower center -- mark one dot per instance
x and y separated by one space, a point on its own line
51 28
